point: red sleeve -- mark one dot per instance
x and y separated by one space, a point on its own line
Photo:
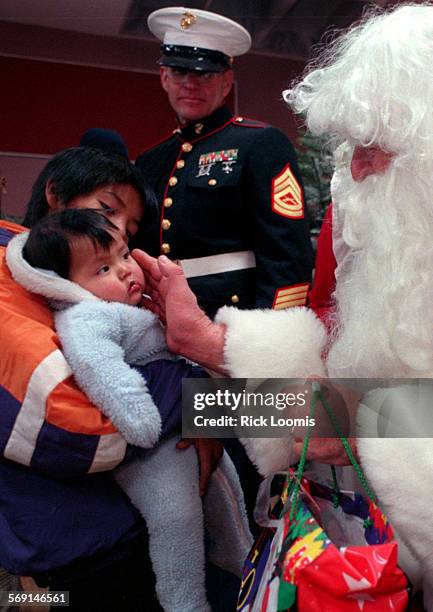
319 298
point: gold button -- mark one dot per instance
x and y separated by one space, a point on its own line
173 181
235 299
212 182
168 202
180 164
165 248
187 147
165 224
239 119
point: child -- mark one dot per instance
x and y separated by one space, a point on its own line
79 261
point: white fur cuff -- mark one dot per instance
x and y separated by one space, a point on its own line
272 343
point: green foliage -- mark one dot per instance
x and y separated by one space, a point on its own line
316 167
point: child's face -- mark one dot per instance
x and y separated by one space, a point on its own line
112 275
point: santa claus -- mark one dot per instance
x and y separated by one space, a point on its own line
372 92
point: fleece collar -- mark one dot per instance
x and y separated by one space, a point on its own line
43 282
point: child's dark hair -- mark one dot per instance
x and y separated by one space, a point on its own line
48 245
81 170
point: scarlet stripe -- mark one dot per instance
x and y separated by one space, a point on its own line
289 304
292 295
287 181
286 195
292 291
291 298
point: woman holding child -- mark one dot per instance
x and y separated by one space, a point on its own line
63 518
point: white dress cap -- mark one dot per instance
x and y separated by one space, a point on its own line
177 25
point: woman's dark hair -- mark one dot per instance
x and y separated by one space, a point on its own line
81 170
48 245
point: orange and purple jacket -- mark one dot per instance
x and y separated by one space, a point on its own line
58 499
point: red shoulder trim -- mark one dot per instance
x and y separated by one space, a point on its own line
247 122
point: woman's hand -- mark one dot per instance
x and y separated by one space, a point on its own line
209 453
189 331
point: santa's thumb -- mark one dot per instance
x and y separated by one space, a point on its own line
168 268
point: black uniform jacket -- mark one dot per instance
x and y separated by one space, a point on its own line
227 184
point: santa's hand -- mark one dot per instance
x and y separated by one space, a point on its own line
325 450
152 299
325 445
182 313
189 331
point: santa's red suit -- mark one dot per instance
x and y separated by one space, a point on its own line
320 295
293 347
372 93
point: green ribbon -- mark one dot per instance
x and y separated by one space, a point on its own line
318 396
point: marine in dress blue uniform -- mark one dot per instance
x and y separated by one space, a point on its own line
229 191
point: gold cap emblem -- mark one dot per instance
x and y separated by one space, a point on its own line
187 21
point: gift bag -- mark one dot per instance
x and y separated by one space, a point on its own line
329 550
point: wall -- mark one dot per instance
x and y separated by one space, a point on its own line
51 104
56 84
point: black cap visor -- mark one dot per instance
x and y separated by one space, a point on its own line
194 58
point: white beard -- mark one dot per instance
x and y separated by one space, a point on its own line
384 288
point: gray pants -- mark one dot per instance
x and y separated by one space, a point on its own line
163 485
